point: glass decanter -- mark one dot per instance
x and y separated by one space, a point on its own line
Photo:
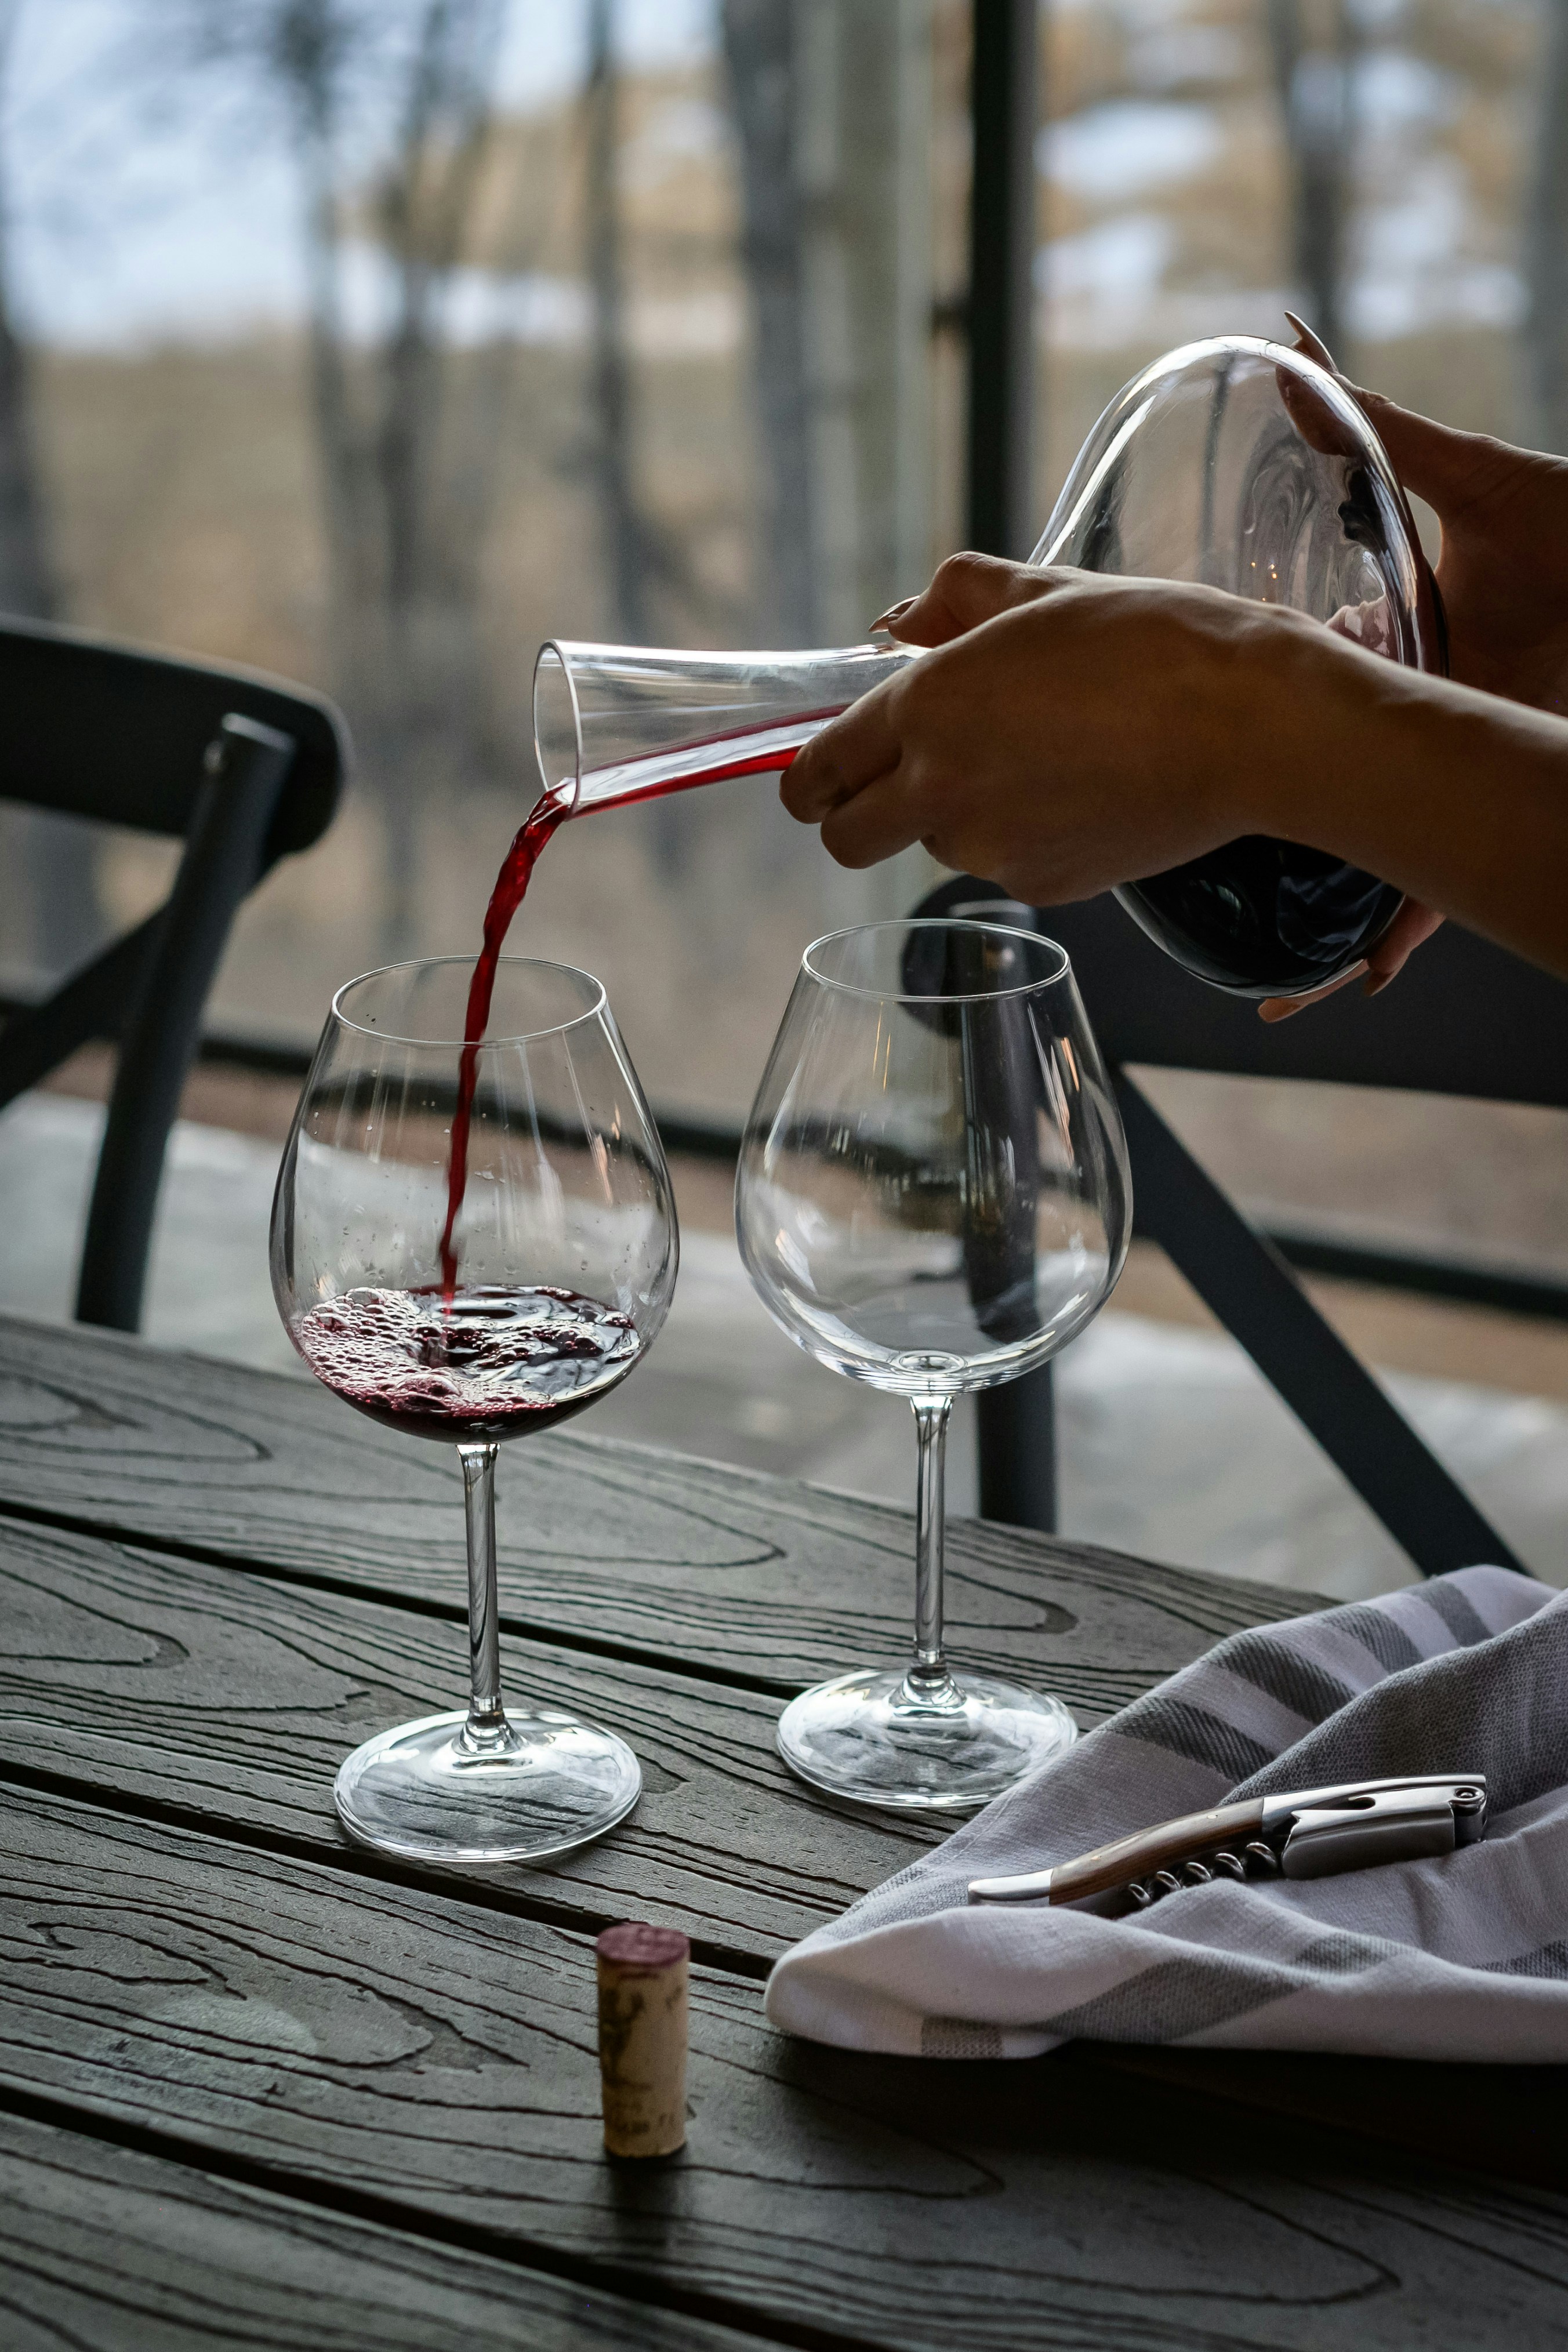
1234 462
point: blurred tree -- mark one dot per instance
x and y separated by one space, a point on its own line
406 463
832 103
641 557
65 921
27 578
760 38
1314 53
1546 238
630 546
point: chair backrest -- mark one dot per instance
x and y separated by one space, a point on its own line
1465 1018
244 770
94 729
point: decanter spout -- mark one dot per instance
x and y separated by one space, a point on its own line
619 723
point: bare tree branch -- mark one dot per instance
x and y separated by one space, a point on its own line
403 560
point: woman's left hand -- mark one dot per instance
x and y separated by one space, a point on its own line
1411 927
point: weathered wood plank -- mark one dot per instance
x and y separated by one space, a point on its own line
1499 2119
684 1563
233 1700
109 2248
383 2041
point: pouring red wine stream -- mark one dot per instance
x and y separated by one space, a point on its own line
510 888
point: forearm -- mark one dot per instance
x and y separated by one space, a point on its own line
1459 798
1093 732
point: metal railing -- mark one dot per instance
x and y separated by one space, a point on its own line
1509 1286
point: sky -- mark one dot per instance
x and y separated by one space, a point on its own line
142 202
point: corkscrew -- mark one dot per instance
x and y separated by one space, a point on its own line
1308 1834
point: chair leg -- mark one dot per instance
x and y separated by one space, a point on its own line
1252 1290
1016 1434
247 766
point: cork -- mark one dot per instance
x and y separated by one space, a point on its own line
642 2038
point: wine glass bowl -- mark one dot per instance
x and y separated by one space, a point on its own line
943 1214
558 1272
932 1197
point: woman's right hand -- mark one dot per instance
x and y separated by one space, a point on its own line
1070 730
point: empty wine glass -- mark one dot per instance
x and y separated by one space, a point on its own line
932 1197
565 1249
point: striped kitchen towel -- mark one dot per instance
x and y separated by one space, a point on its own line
1461 1958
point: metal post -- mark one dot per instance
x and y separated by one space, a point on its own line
1003 100
1016 1424
1015 1433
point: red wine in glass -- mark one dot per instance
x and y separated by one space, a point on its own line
482 1364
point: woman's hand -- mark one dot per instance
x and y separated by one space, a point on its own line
1504 567
1411 927
1116 737
1071 731
1503 575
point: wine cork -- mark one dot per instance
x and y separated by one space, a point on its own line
642 2038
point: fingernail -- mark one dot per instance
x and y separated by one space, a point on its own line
1376 983
893 612
1277 1008
1315 347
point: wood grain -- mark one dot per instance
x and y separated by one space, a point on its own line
714 1570
230 1700
112 2249
377 2040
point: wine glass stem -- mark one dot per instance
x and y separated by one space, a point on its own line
486 1715
930 1667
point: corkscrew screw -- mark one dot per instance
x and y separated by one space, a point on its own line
1309 1834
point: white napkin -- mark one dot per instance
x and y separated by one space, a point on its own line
1461 1958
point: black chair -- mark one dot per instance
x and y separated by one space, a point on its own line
244 769
1464 1018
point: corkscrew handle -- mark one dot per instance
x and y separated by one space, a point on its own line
1138 1856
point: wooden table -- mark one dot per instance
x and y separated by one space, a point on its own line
258 2088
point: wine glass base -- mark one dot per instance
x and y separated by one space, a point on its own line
863 1739
545 1786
